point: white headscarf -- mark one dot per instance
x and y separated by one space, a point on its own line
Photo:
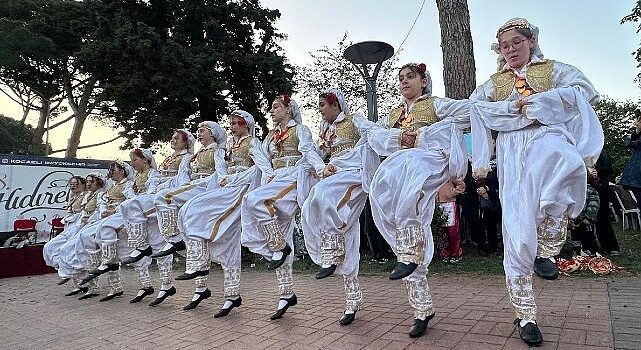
219 134
129 170
146 152
97 176
191 140
249 119
340 97
515 23
298 118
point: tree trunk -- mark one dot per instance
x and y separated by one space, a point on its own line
459 71
40 129
74 138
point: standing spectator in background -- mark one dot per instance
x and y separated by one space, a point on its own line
582 227
452 251
631 177
469 205
490 207
604 230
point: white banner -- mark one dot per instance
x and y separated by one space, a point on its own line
36 187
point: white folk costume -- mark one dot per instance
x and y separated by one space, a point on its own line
70 263
73 224
193 181
331 212
268 211
100 241
403 190
541 155
211 221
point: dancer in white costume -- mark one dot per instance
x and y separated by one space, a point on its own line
70 264
268 211
174 172
141 227
423 142
211 221
548 133
193 182
51 250
100 242
331 212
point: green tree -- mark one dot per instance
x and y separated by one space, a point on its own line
15 138
166 64
616 118
635 16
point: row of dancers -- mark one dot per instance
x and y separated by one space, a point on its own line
246 192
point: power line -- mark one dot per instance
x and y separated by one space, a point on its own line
409 31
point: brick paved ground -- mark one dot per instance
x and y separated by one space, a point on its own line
472 313
625 304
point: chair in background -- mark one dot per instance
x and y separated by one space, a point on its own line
629 209
26 228
57 226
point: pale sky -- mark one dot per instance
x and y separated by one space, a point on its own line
586 34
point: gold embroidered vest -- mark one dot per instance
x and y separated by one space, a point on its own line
346 137
238 158
286 148
75 204
423 114
140 183
115 196
202 163
538 76
92 202
170 166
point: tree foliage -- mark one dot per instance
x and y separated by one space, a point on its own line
15 138
616 119
635 17
166 64
329 69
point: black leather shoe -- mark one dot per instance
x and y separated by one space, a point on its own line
169 292
139 298
420 326
201 296
326 272
63 281
274 264
190 276
223 312
143 253
545 268
291 301
87 296
347 319
77 291
111 296
402 270
97 272
530 333
175 247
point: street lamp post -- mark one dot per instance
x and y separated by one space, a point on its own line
362 55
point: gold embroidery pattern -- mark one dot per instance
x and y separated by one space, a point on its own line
410 244
418 294
164 269
522 296
115 196
231 282
274 236
171 163
280 163
332 248
140 183
353 294
287 147
239 155
114 282
137 234
285 279
551 236
538 76
203 161
92 202
197 255
346 135
143 277
75 204
168 222
423 113
108 253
